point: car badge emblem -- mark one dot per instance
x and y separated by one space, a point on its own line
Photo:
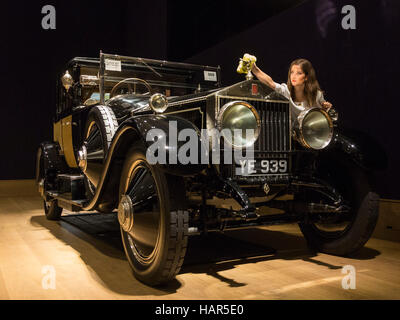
254 89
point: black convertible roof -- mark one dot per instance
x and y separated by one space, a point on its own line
139 62
201 77
194 72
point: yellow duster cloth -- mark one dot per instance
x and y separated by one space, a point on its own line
246 63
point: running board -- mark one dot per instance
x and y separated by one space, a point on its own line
65 201
70 193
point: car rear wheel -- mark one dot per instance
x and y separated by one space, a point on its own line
52 210
348 233
153 219
100 128
50 206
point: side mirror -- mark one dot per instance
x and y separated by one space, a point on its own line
158 103
333 114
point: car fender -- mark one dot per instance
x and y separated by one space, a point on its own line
149 125
361 148
131 132
47 159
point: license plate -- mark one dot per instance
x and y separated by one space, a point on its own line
262 167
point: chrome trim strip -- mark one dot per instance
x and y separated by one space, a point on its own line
187 110
217 108
181 102
253 99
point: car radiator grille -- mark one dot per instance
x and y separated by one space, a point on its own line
275 126
274 141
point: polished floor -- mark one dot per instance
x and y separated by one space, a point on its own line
76 259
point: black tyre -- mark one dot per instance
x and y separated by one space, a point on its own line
43 175
100 128
347 234
52 210
153 219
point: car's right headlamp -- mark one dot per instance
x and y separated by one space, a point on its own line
314 128
239 123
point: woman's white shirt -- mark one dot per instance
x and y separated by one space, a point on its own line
295 107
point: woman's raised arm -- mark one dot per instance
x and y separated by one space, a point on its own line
262 76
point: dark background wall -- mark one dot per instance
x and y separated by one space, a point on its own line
357 69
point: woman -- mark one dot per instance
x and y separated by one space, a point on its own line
302 88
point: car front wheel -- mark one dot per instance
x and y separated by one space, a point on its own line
348 233
153 219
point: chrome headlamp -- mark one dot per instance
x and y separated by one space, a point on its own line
314 128
158 103
239 123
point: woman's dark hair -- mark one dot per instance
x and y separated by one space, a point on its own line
311 85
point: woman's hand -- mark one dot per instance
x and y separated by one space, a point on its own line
326 105
254 68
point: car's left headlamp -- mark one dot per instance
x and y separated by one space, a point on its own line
239 123
314 128
158 103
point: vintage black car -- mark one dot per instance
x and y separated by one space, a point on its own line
110 113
